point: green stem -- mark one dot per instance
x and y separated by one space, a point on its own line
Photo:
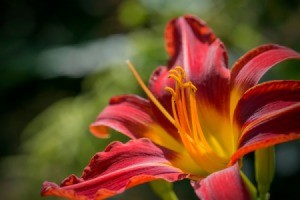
251 188
264 170
163 189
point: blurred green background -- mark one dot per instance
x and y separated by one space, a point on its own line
61 61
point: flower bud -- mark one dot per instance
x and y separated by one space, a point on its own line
264 170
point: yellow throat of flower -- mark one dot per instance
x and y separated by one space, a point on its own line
185 117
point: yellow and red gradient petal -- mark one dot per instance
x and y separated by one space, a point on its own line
133 116
267 104
193 46
217 130
226 184
119 167
185 163
265 98
271 128
248 70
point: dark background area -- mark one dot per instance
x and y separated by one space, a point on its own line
60 61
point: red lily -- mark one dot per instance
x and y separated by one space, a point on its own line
200 119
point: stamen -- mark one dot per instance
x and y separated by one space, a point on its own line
191 86
149 93
174 77
175 72
185 112
186 118
181 70
171 90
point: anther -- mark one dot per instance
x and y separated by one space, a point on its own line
181 70
171 90
174 72
190 85
176 78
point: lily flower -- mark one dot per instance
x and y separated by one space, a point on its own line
199 120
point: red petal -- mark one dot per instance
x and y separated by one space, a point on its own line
130 115
283 127
248 70
118 168
268 114
193 46
226 185
157 83
181 33
203 57
266 98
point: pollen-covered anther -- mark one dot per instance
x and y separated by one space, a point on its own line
190 85
178 71
178 74
171 90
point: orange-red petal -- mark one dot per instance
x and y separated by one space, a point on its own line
226 185
133 116
193 46
268 114
248 70
119 167
266 98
